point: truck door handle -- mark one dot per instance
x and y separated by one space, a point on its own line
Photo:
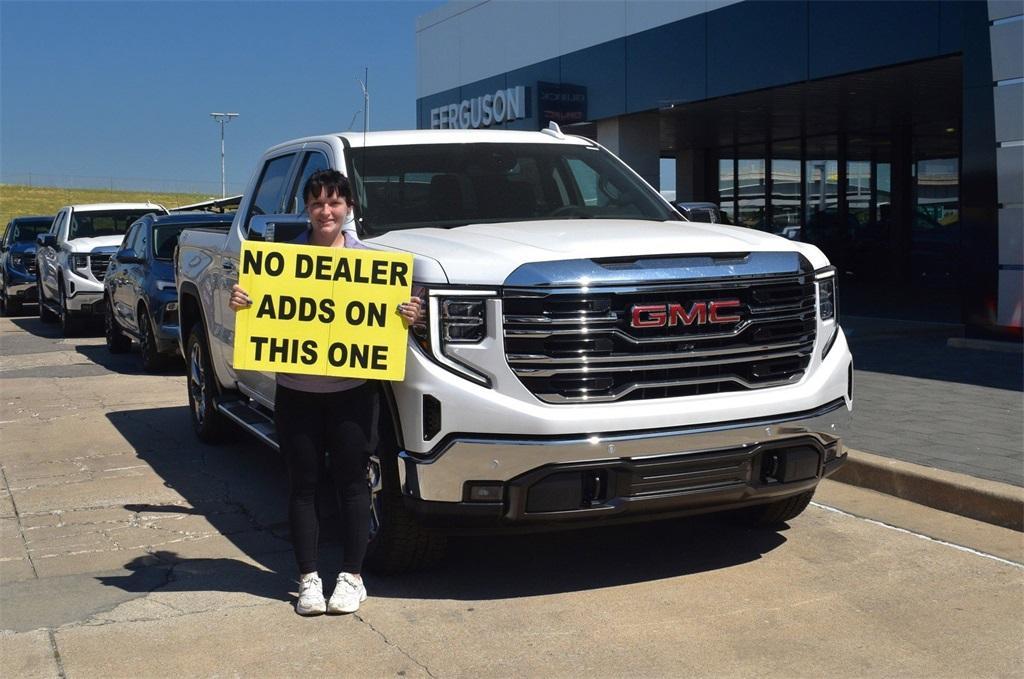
227 265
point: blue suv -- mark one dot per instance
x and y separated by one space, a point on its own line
141 300
18 262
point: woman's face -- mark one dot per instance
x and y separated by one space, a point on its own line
327 212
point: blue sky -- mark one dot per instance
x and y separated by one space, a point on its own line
101 93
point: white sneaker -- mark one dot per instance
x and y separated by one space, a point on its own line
311 595
348 594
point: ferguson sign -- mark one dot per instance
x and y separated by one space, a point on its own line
490 109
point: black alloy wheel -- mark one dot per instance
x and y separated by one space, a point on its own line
152 360
117 341
206 420
8 307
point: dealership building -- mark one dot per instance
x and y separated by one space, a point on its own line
887 133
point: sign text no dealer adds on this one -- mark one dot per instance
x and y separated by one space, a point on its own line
323 311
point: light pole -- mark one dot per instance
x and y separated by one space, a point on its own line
222 118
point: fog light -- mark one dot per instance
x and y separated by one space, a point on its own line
484 491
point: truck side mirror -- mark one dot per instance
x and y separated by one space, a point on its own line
128 256
277 228
47 240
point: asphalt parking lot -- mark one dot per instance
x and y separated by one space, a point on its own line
128 549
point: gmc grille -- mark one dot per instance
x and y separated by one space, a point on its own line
98 264
576 346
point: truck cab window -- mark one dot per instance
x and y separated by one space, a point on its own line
313 162
271 187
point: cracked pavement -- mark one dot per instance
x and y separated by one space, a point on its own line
128 549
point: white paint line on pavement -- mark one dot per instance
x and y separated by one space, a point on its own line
922 536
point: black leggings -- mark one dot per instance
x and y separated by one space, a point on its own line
342 425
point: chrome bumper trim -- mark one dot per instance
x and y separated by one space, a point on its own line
442 476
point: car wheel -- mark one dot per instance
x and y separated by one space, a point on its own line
775 513
398 543
68 323
46 315
206 420
117 341
152 360
8 307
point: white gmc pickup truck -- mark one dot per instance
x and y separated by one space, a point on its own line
589 356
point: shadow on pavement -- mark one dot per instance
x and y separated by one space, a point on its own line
921 350
240 489
129 363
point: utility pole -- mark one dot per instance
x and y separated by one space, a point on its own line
222 118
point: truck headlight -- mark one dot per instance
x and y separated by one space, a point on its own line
456 320
80 262
18 261
828 300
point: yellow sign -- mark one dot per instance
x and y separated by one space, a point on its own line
323 311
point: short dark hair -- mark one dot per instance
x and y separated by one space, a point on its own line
330 182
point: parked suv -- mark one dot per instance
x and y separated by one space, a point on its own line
140 299
18 262
73 257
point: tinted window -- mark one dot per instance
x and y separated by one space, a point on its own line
270 190
26 230
165 238
105 223
449 185
130 238
314 162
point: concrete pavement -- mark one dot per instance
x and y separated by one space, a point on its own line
127 549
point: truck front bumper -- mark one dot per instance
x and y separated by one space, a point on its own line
485 483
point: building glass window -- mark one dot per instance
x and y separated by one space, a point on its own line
858 190
727 187
786 197
750 182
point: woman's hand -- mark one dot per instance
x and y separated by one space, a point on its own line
411 311
239 298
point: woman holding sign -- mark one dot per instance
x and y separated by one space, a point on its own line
333 416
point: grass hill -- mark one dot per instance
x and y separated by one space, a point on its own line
17 200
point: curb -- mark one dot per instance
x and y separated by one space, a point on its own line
997 503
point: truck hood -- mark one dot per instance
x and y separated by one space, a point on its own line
485 254
98 242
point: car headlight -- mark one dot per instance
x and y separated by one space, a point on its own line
456 320
80 262
18 261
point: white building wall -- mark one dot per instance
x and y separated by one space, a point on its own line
1007 37
468 40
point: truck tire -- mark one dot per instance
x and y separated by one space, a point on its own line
9 307
45 314
117 341
400 544
206 420
152 360
68 323
778 512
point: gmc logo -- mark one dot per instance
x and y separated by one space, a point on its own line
699 313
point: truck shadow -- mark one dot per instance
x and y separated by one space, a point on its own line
239 488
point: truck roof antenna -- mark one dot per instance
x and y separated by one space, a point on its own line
554 130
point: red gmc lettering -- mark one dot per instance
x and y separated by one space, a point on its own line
656 317
717 317
698 312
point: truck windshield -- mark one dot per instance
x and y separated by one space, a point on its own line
450 185
105 223
26 230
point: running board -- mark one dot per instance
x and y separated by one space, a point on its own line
253 421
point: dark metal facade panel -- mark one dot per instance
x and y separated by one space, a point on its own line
853 36
667 65
602 70
755 45
545 71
